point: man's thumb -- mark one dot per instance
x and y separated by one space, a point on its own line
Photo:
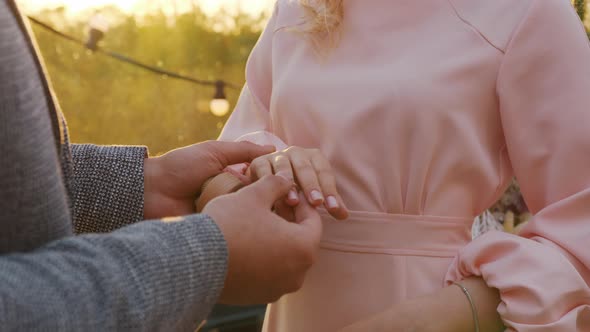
308 219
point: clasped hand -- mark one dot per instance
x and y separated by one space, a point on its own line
312 173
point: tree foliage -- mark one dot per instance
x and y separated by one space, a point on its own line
580 6
109 102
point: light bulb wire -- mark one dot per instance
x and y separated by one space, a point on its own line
131 61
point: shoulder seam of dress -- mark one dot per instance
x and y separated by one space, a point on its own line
278 26
519 24
517 27
475 29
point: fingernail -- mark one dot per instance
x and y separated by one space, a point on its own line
332 202
316 195
293 195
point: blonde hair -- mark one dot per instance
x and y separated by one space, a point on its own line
322 20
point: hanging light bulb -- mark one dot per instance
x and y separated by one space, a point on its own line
98 27
219 105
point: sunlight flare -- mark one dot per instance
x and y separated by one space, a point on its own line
138 6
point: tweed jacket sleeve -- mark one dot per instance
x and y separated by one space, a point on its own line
150 276
107 186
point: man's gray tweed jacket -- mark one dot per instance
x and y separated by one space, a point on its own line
142 276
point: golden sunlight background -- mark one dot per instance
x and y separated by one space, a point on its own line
208 6
110 102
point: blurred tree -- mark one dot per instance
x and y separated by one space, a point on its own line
580 6
108 102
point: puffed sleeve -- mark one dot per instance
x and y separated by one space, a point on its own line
543 86
250 120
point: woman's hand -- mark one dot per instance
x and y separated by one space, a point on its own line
310 170
446 310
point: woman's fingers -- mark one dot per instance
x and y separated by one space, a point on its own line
259 168
310 170
307 177
327 180
281 164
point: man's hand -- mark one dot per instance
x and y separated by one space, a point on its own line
173 181
268 255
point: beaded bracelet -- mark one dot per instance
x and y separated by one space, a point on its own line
473 307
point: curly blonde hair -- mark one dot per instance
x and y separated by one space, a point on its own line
323 17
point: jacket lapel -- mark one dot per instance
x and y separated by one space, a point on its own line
54 111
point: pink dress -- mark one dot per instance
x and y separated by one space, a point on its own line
426 109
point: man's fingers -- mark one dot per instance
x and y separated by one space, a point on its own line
268 190
283 210
230 153
309 219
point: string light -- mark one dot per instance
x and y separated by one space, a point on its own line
98 28
219 106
